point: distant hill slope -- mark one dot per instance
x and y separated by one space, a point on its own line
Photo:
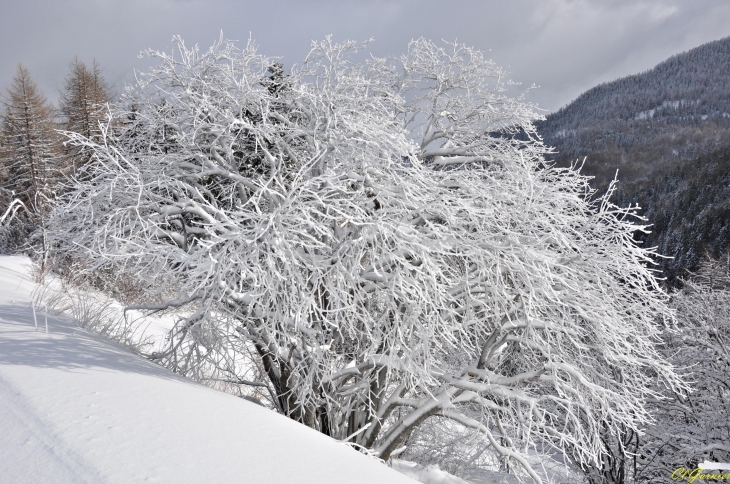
652 128
687 90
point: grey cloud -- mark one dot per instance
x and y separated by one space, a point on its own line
565 46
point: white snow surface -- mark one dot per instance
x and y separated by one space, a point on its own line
426 475
76 408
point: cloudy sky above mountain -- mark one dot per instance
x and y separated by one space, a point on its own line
563 46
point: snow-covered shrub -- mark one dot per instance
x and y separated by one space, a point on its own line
92 310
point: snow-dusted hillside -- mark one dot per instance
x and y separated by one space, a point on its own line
76 408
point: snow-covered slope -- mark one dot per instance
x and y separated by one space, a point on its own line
76 408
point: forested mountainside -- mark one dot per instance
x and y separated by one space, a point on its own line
667 132
686 91
690 211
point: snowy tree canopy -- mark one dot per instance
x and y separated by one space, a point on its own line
377 243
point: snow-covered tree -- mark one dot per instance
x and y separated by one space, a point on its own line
29 150
694 427
381 243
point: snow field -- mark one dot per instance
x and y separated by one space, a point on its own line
75 407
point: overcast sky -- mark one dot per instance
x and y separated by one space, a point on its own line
563 46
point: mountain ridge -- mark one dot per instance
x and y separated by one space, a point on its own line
666 132
689 88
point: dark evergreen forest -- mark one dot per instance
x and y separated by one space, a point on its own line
665 133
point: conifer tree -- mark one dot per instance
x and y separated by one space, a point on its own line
28 154
82 104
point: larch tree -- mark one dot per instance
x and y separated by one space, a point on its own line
83 102
28 156
375 246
